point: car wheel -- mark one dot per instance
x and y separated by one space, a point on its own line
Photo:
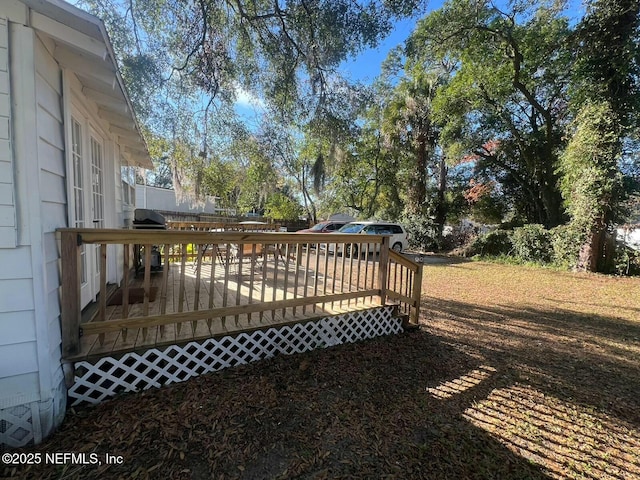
397 247
351 250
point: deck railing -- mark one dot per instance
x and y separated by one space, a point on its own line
404 284
210 279
221 226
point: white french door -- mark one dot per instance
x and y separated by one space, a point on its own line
88 200
79 210
97 200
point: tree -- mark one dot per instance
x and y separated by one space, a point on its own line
591 180
360 181
357 169
223 180
280 206
408 122
606 95
197 56
509 84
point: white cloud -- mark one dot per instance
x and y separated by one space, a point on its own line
246 99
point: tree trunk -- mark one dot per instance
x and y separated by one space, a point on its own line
418 187
551 200
441 204
591 257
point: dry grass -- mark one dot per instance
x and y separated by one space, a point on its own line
566 352
516 373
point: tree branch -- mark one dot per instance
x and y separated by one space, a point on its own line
203 37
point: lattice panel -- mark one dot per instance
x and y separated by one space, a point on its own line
95 382
16 427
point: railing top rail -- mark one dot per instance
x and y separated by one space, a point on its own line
180 224
402 260
129 236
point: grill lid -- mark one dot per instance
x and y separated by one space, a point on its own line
144 216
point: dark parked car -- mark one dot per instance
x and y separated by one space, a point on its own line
324 227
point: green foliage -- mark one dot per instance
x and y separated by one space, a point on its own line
487 205
493 243
407 126
626 260
281 207
223 180
532 243
606 96
142 76
607 62
565 243
591 183
424 234
509 83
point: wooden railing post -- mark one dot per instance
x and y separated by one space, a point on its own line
383 269
71 279
416 295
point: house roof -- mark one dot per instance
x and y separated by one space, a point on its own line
83 46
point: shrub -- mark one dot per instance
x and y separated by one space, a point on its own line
626 260
494 243
532 243
423 232
565 243
459 236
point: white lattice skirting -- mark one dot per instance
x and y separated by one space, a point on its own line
28 423
95 382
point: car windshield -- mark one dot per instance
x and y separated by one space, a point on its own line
317 227
352 228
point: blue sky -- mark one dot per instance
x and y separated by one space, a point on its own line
365 67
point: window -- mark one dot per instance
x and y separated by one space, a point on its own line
128 176
97 182
78 189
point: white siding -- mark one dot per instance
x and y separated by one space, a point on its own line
7 194
9 334
11 359
53 195
29 279
21 389
165 200
19 378
31 375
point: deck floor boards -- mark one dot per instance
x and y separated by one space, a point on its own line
233 284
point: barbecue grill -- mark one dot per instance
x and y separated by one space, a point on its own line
145 219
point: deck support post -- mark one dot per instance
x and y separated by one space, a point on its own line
383 269
416 294
71 279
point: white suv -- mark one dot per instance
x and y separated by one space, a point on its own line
399 239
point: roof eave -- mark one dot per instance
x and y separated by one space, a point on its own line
85 34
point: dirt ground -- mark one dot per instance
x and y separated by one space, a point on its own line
515 373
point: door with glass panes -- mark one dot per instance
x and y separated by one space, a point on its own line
88 199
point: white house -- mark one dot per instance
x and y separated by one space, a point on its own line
629 235
165 201
69 141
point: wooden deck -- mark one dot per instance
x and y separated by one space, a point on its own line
249 286
218 283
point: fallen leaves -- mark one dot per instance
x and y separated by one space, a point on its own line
514 380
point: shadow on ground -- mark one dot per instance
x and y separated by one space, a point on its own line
571 403
588 359
489 391
354 411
